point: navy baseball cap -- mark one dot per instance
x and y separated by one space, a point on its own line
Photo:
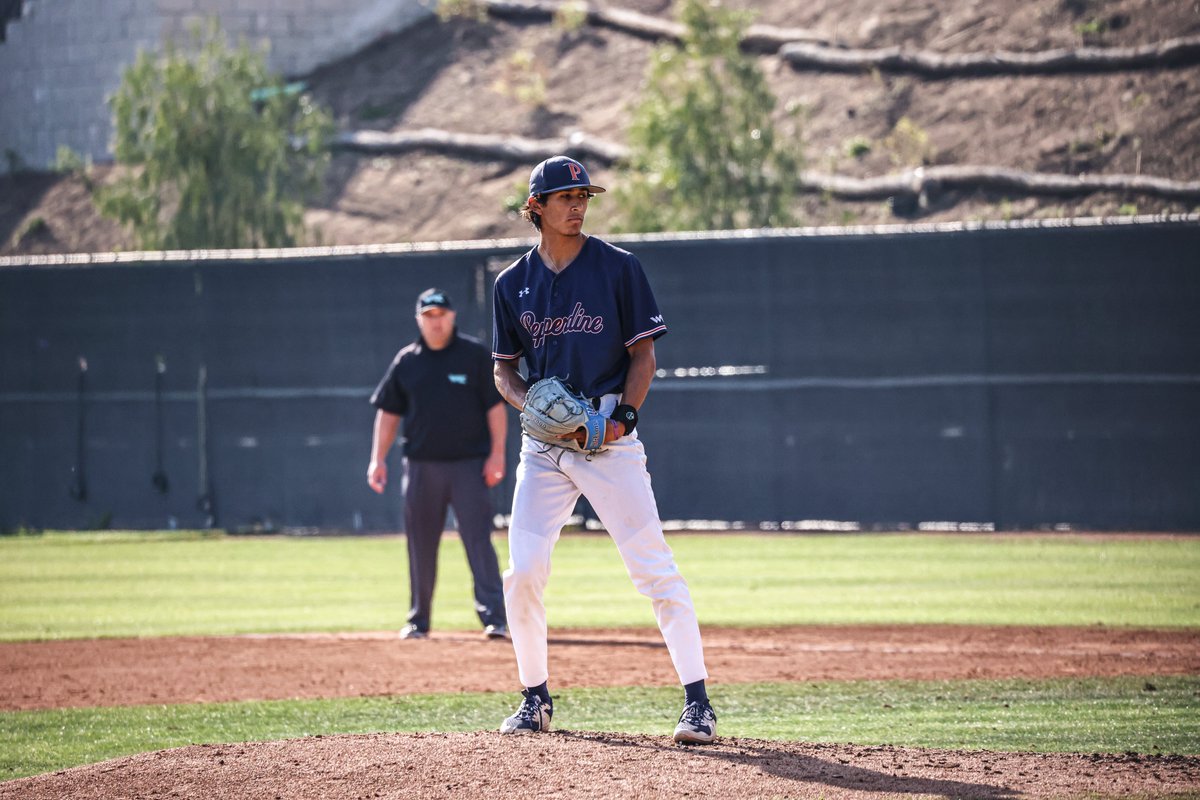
433 298
558 173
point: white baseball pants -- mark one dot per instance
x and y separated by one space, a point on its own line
616 483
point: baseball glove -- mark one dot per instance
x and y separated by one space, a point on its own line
551 410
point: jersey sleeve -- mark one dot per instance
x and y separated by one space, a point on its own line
389 395
506 346
640 317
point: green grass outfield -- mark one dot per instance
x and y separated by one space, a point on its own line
1082 715
58 586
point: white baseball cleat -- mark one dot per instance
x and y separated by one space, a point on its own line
532 717
697 724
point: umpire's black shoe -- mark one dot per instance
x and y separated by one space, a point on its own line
697 724
532 717
496 631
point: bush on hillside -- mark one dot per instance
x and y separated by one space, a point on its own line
220 153
705 153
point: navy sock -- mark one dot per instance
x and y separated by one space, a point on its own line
696 692
543 692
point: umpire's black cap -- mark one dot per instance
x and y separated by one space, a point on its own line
559 173
433 298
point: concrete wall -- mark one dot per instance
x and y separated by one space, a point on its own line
63 58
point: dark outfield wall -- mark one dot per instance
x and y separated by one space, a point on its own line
1017 377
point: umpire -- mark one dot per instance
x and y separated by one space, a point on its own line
455 425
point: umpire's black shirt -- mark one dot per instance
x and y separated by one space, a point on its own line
444 396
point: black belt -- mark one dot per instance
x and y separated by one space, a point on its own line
596 402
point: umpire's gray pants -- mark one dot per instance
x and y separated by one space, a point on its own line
430 487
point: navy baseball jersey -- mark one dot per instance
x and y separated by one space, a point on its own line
576 324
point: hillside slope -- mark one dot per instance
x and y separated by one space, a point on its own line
458 76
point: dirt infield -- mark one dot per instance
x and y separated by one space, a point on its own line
39 675
107 672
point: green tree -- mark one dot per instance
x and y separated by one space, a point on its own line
705 153
220 153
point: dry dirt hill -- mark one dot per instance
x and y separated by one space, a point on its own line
458 76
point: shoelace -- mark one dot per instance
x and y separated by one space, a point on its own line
529 708
694 713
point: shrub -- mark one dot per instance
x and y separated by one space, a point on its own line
468 9
705 153
523 79
909 144
571 16
219 152
858 147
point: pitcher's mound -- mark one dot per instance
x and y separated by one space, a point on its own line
569 764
